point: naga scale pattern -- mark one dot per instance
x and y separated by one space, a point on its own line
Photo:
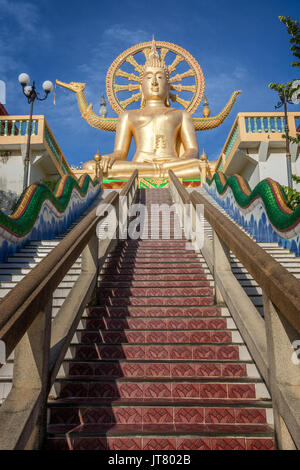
40 213
263 212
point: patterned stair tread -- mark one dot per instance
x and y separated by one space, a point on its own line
159 336
148 271
182 442
168 369
169 364
158 301
154 261
95 402
152 277
158 414
134 270
154 291
160 352
133 264
163 247
163 430
156 257
162 323
105 284
176 389
219 382
160 311
82 402
175 254
154 243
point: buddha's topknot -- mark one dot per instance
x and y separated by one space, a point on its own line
153 60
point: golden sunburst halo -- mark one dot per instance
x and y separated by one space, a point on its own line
181 57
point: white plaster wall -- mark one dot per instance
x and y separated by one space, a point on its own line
275 167
296 171
12 174
36 175
251 174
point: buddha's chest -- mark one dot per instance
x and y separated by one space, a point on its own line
166 124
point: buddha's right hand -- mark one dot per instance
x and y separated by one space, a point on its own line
107 161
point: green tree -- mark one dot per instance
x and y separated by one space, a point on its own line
293 29
288 93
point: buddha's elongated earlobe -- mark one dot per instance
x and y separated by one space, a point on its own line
142 96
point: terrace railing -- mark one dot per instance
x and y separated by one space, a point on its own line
14 131
256 127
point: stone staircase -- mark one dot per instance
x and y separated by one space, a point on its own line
156 364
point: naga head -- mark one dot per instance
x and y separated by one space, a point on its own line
73 86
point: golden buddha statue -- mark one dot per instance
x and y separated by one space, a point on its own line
157 129
165 137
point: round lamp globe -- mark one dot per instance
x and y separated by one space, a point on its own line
24 79
47 86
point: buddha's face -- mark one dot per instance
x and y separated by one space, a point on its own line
154 84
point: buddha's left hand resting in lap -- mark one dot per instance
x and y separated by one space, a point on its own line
165 137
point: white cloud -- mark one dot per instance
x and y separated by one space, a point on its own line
25 14
120 34
26 19
220 86
113 42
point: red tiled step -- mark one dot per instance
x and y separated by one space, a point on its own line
158 352
157 336
158 245
147 253
111 429
178 254
175 390
126 264
155 311
115 369
117 283
176 251
154 258
154 291
153 270
155 323
162 301
154 243
163 436
181 442
153 277
156 414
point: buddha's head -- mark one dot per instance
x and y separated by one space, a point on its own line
154 79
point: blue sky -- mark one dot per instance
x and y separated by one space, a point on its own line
239 45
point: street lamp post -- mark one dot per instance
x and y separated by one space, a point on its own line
31 95
283 102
